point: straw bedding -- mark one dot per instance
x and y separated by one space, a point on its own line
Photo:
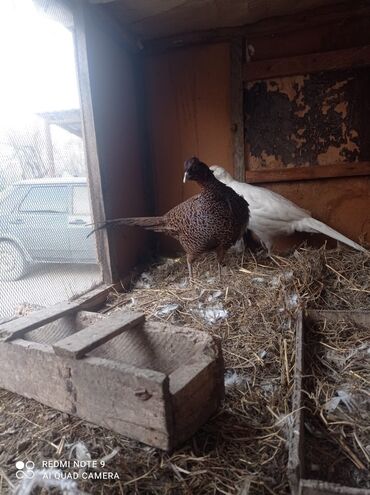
338 400
243 449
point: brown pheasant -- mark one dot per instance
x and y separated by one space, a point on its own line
213 220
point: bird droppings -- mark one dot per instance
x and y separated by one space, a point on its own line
46 480
211 314
244 443
145 281
234 379
284 421
292 301
259 280
167 309
262 354
342 397
182 284
269 387
214 295
238 247
285 276
79 451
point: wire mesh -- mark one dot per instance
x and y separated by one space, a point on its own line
45 211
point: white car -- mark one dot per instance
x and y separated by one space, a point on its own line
45 221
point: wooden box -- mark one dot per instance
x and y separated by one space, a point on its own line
299 483
153 382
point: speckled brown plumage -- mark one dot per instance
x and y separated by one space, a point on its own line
213 220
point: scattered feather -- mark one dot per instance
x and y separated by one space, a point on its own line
47 479
234 379
211 314
145 281
167 309
342 397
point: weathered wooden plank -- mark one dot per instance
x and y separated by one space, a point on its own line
136 401
133 402
296 472
361 318
296 428
314 487
198 390
32 370
353 31
96 298
115 164
266 27
89 135
84 341
16 328
308 173
237 117
306 64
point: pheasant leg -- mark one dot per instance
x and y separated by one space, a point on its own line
190 269
220 252
219 272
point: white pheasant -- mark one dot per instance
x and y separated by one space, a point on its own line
272 215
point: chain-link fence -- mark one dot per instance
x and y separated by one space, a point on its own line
45 255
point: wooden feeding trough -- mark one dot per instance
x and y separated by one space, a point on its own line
153 382
300 476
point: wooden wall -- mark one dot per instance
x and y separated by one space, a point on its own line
188 97
306 107
190 113
188 94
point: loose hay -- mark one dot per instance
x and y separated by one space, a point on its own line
346 275
253 313
338 398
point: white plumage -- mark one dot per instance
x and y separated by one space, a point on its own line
272 215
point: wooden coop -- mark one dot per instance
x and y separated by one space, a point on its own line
281 102
277 93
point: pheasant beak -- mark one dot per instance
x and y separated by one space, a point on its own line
185 177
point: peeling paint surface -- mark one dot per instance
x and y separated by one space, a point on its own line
308 119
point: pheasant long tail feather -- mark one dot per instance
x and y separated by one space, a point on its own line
311 225
158 224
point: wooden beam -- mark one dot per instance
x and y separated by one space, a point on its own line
96 298
315 172
89 135
80 343
317 487
16 328
298 441
360 318
108 23
237 113
306 64
319 16
266 27
295 440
